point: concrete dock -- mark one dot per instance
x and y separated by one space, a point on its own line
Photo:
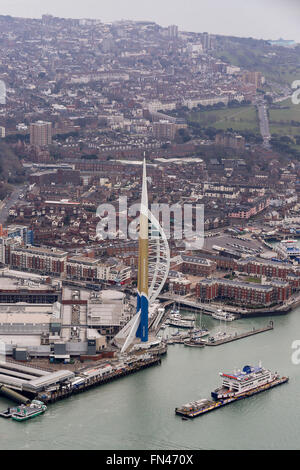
237 336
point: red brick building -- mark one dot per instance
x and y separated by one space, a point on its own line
197 266
271 269
180 286
38 259
246 293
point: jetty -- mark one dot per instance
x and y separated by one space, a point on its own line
236 336
49 387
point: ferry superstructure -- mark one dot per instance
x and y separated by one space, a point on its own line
241 381
288 248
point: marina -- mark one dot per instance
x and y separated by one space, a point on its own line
202 337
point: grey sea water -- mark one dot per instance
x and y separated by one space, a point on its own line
137 412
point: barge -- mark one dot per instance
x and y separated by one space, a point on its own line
237 386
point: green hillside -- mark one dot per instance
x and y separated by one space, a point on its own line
276 63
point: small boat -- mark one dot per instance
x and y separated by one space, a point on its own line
180 323
221 335
174 310
220 315
194 343
199 333
176 316
24 413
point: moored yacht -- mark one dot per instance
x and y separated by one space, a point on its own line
199 333
179 323
174 311
221 315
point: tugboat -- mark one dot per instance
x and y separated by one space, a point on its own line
23 413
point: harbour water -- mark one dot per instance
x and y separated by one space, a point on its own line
137 412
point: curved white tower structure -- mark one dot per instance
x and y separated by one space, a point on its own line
153 269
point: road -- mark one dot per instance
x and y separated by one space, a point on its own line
264 123
10 201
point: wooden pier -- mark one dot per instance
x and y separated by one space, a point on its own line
237 336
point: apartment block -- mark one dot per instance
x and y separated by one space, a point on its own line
41 133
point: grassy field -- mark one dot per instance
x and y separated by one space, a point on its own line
239 119
281 117
253 279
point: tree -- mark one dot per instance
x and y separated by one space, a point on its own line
182 136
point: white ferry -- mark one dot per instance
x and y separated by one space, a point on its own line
236 386
242 381
289 248
221 315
